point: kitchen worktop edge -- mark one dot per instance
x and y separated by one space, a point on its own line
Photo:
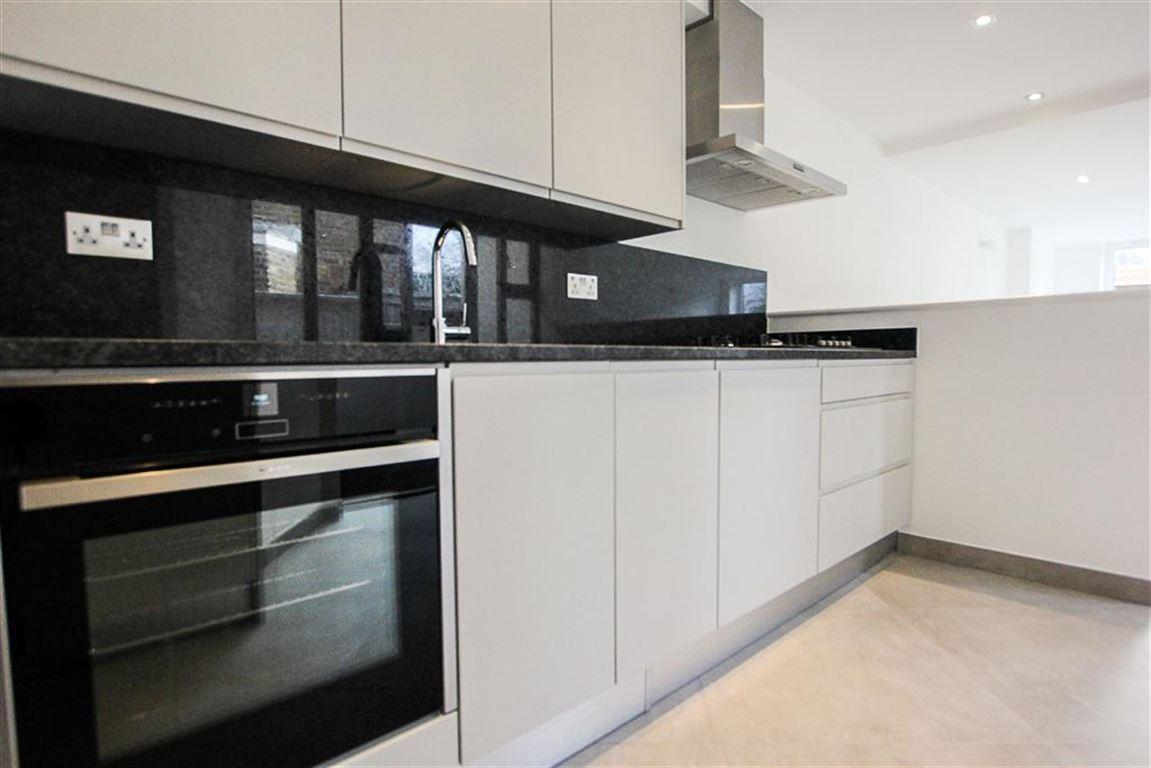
49 353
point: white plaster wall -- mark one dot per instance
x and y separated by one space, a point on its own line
1032 424
893 239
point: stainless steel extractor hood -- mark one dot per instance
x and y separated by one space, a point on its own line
727 162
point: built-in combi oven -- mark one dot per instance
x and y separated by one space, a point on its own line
223 568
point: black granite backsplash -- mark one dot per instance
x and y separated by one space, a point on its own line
241 256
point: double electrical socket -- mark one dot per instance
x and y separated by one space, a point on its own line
583 286
90 234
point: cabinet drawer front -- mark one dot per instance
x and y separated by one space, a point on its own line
863 439
854 382
861 514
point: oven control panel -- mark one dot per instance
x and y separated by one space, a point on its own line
81 429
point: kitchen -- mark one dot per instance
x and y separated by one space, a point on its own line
457 390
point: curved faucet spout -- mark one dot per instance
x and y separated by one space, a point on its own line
440 327
465 233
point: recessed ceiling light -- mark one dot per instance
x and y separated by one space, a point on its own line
1035 96
983 20
1083 178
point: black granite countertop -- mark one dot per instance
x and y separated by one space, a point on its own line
139 353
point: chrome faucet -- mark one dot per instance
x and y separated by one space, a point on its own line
440 328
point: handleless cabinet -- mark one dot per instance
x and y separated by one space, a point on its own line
667 444
276 63
865 454
861 439
618 81
468 84
860 514
768 483
534 465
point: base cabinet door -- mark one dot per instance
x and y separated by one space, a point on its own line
768 485
535 550
667 435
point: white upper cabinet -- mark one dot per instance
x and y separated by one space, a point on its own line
618 79
464 83
667 443
277 61
768 484
534 469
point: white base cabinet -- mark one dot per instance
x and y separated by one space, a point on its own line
611 518
768 484
667 444
865 448
534 465
861 514
860 440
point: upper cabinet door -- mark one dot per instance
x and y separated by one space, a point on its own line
279 61
618 73
466 83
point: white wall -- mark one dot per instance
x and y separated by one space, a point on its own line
893 238
1032 424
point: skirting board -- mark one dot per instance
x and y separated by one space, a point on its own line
551 743
710 651
1115 586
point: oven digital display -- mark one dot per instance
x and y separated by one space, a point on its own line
262 399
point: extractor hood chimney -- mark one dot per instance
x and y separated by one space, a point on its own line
727 162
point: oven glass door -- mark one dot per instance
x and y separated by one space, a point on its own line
281 622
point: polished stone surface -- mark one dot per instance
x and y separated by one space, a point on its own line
917 663
244 256
154 353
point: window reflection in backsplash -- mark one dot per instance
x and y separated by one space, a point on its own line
337 240
241 256
276 243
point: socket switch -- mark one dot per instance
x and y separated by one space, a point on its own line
90 234
583 287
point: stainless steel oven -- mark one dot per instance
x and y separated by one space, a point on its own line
223 568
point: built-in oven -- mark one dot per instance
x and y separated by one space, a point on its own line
222 569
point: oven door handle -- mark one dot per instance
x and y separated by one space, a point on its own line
48 494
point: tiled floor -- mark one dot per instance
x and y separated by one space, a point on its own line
917 663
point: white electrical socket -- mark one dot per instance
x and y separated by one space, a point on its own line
583 287
90 234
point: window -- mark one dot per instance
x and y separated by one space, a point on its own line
1132 266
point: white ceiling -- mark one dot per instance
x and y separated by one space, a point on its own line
946 100
903 71
1026 176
